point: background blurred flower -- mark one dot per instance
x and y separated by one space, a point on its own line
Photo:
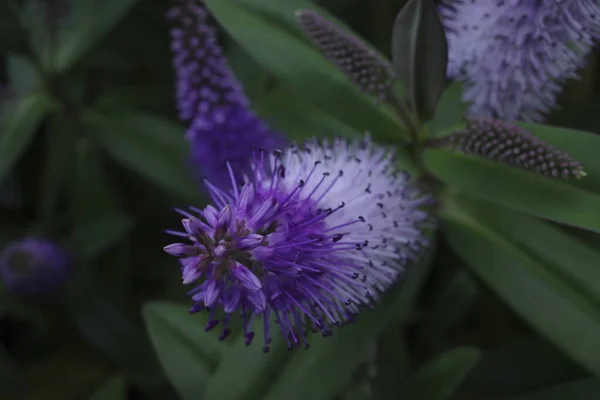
222 124
314 234
33 267
514 55
510 144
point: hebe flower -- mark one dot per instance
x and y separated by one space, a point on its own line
510 144
222 124
33 267
352 56
514 55
308 238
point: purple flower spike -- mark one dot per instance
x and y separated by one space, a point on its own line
314 234
33 268
514 55
222 124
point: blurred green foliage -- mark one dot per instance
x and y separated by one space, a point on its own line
91 152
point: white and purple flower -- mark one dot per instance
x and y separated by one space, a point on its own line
310 236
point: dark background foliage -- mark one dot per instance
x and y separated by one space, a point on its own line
93 155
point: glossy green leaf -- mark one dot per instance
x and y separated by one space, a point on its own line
576 262
420 55
95 236
88 23
583 389
114 388
530 287
19 121
580 145
321 372
517 189
188 355
152 146
442 376
305 71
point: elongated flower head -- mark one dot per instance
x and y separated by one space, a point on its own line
351 55
510 144
515 55
222 124
308 238
33 267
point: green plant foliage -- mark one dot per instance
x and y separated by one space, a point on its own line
503 304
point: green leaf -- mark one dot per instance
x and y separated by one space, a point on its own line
88 23
114 388
91 191
96 236
442 376
300 119
19 121
520 190
420 55
321 372
525 364
392 363
582 389
246 372
22 74
188 355
152 146
453 302
580 145
450 113
576 262
13 34
530 287
58 154
107 326
305 71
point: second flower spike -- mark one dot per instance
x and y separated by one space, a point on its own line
223 126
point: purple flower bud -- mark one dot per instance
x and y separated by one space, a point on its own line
512 145
299 241
34 268
515 55
353 57
223 223
251 242
181 250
